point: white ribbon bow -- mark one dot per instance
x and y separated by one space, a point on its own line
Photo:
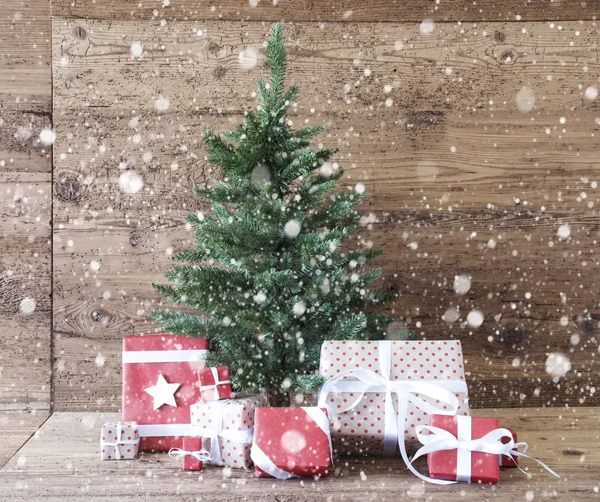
244 437
119 427
202 455
407 391
218 382
441 439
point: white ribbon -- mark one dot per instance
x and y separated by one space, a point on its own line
441 439
261 460
165 430
214 386
406 390
164 356
119 427
244 437
201 455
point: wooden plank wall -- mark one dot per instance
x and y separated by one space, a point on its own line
471 133
25 206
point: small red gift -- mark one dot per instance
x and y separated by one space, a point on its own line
461 464
192 453
505 460
215 383
291 442
160 382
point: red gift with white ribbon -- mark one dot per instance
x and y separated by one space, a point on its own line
215 383
160 382
192 453
466 449
291 442
505 460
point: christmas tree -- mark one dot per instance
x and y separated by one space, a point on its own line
267 275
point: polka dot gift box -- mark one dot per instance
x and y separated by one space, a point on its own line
119 441
377 392
226 427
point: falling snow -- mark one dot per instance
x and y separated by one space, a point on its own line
27 306
130 182
47 136
248 58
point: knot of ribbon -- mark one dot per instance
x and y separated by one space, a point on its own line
360 380
117 444
202 455
216 432
440 439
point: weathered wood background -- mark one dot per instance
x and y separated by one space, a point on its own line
463 176
25 210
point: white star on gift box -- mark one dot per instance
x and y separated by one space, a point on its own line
163 392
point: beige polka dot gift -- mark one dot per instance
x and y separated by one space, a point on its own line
377 392
226 428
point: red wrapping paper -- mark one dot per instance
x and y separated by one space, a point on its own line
212 390
443 464
292 440
177 360
191 463
505 460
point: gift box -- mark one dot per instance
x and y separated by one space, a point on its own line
160 382
226 427
462 464
215 383
420 378
119 441
291 442
505 460
192 453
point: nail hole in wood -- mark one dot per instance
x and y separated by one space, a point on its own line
134 240
508 57
499 36
69 189
97 315
80 33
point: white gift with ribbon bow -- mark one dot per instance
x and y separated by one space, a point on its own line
120 442
216 432
443 392
261 460
440 439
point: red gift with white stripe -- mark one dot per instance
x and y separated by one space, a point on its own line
466 449
215 383
160 382
291 442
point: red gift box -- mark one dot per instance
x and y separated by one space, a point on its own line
215 383
505 460
461 464
160 382
291 442
194 445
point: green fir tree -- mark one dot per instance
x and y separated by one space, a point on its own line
267 276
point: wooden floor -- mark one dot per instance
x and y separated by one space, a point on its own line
60 462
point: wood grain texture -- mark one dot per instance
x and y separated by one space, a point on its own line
25 209
460 181
15 430
336 10
61 463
